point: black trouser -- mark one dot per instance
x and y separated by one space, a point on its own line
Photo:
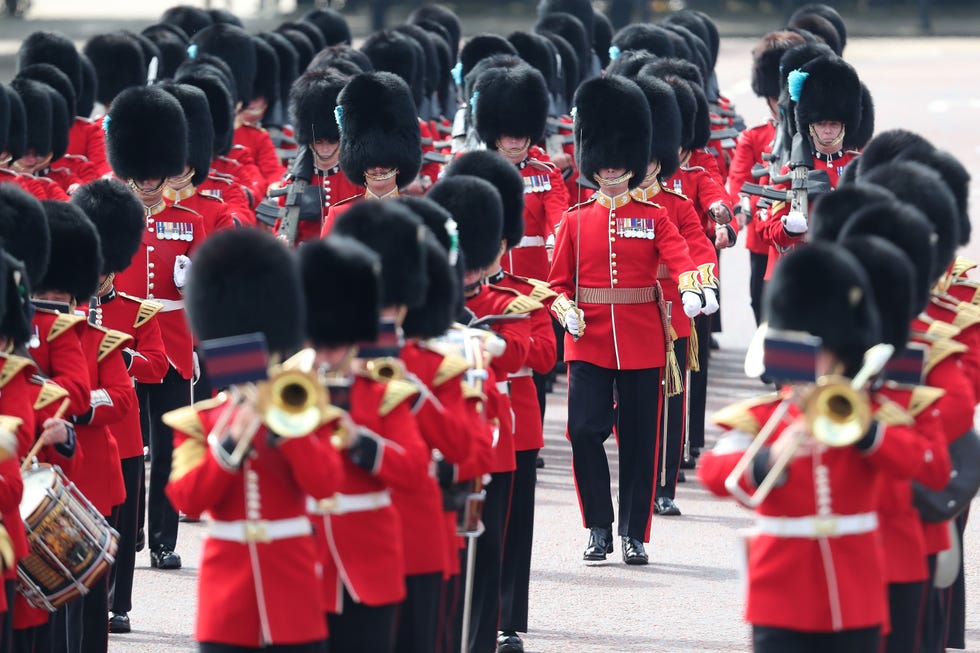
7 630
541 387
155 400
485 612
515 573
699 381
33 640
592 391
419 617
956 632
666 481
934 613
757 275
905 604
780 640
312 647
449 637
121 574
362 628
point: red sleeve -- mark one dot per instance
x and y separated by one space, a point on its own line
744 159
671 247
95 149
956 407
773 231
52 191
443 422
934 473
315 464
403 458
555 200
69 369
480 459
115 395
203 486
17 400
517 335
150 357
562 275
898 451
710 190
266 158
543 350
713 470
224 218
11 485
701 249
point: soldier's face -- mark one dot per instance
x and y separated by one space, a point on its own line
325 149
828 130
148 190
513 147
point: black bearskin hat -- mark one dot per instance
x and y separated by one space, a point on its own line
832 211
642 36
225 16
821 28
612 128
568 71
172 46
302 44
830 90
52 48
118 217
581 9
823 290
923 188
146 134
827 13
378 127
392 52
332 25
866 127
629 63
908 229
571 29
535 50
61 121
427 59
190 19
511 102
701 25
342 284
686 70
266 84
765 61
602 37
200 130
434 317
17 309
395 233
15 143
309 30
665 135
479 48
5 117
76 255
444 17
502 175
343 59
312 101
235 47
57 80
233 267
86 95
287 57
37 112
477 209
24 230
118 62
220 104
892 280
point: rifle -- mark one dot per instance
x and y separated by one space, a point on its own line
300 173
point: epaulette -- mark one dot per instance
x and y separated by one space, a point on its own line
922 397
187 419
208 196
890 413
671 191
12 366
942 349
542 165
255 127
739 416
854 152
181 207
581 204
940 329
349 199
396 392
111 341
540 290
470 392
62 323
647 202
147 309
961 265
221 177
450 367
967 315
521 302
10 424
49 393
187 456
693 169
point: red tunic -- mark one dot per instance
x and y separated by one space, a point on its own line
697 184
334 212
545 201
87 138
441 418
752 144
50 189
334 187
620 336
170 231
710 162
59 355
364 550
27 182
137 318
258 141
253 592
820 583
248 171
231 169
232 194
215 214
429 169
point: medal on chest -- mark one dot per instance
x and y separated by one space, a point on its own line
678 186
537 184
635 228
175 231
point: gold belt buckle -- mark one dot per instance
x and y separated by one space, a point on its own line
327 506
255 532
825 526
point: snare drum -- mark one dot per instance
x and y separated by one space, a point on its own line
72 545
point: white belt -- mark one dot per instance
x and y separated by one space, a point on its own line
524 371
817 526
503 387
260 530
342 504
170 304
530 241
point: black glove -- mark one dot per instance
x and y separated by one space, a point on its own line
127 355
445 474
67 448
365 450
870 436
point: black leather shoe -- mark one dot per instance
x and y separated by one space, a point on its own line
119 623
633 552
600 544
665 506
539 463
189 519
140 540
164 559
689 463
509 642
681 477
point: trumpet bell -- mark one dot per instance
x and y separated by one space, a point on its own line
293 401
837 414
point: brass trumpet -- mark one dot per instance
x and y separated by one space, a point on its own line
836 411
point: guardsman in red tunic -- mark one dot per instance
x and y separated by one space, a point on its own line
815 568
259 581
510 115
665 144
36 98
118 216
248 122
828 98
183 189
145 120
396 235
313 98
380 143
73 275
753 145
605 269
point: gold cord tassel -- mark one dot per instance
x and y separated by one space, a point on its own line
693 363
674 383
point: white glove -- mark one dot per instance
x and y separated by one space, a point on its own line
692 303
575 321
182 268
710 301
795 223
196 374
